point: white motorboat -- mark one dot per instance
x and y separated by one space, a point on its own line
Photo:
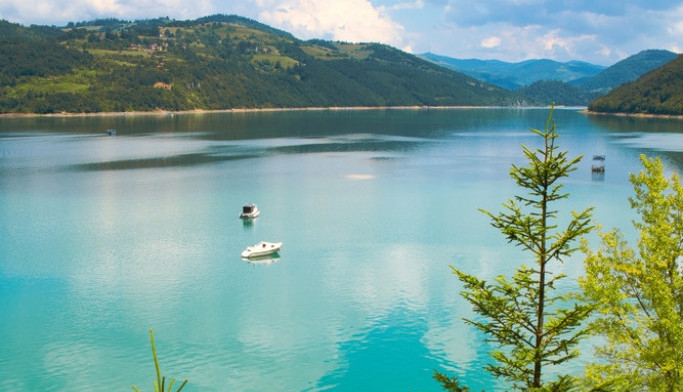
249 211
263 248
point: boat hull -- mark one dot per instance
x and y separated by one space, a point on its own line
251 215
249 211
261 249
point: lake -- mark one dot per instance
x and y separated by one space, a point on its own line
105 237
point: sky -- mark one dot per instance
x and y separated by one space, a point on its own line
596 31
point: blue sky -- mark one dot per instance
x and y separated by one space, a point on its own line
597 31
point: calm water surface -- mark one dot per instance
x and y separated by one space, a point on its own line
103 238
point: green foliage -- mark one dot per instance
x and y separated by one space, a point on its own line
658 92
216 62
639 292
160 382
450 383
533 327
552 91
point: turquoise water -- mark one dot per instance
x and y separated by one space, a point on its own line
103 238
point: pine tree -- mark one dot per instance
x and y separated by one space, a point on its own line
533 326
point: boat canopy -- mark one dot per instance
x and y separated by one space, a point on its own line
598 165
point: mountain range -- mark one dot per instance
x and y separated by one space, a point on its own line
515 75
227 61
589 77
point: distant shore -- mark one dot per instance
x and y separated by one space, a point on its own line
238 110
637 115
331 108
234 110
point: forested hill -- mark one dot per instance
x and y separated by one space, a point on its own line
627 70
216 62
657 92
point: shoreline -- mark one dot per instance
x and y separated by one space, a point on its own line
245 110
636 115
321 108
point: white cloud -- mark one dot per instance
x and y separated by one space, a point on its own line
676 29
415 5
490 42
568 44
551 40
104 7
342 20
602 32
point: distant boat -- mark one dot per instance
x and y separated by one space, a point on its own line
598 165
249 211
263 248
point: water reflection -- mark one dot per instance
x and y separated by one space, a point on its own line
659 136
287 124
248 223
628 124
168 152
598 176
261 260
159 162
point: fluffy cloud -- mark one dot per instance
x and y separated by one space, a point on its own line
342 20
490 42
415 5
597 31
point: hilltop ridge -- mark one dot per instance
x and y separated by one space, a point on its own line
657 92
214 63
516 75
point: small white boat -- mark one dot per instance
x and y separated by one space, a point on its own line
249 211
263 248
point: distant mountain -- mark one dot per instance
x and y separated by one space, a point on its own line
626 70
515 75
216 62
583 91
657 92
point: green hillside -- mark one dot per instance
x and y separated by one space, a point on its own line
627 70
658 92
216 62
553 91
